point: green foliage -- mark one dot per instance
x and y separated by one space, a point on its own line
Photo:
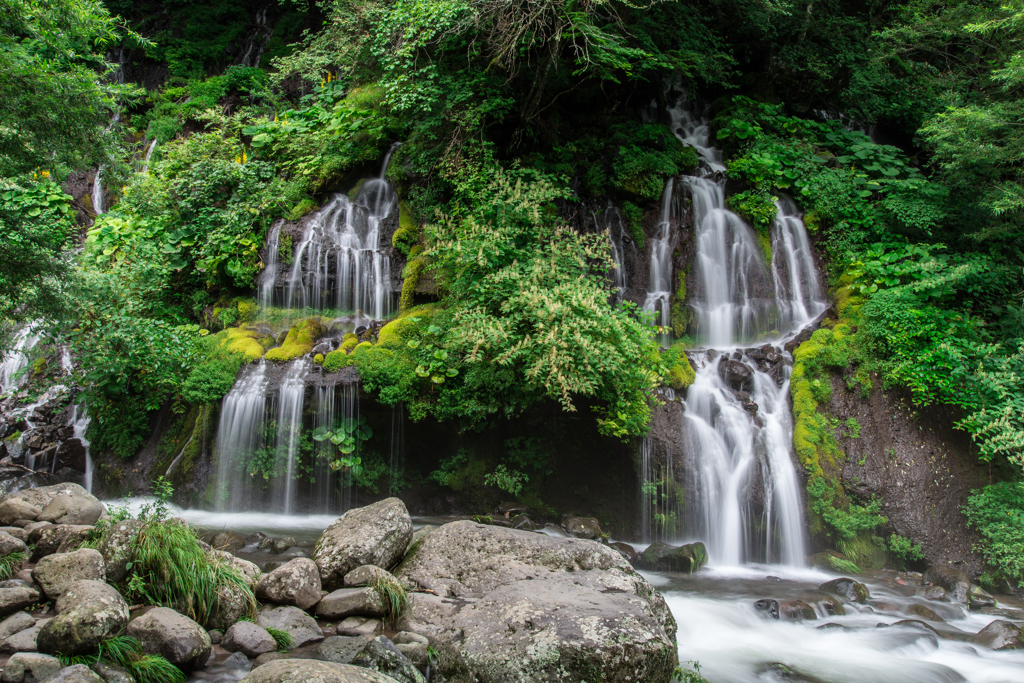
346 435
690 674
679 374
283 639
997 512
905 549
392 596
509 481
848 521
211 378
631 216
127 653
10 564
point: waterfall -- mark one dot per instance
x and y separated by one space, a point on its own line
291 395
80 423
149 154
258 41
97 192
268 279
335 403
613 224
239 435
660 288
16 359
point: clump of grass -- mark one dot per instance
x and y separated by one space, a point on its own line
9 564
282 638
392 596
126 652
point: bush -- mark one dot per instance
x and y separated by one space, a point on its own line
997 512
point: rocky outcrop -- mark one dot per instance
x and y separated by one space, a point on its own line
117 548
294 583
87 613
181 641
663 557
59 504
377 534
380 654
310 671
513 605
55 573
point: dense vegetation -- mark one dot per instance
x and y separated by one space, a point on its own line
510 119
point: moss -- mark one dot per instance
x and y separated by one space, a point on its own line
242 341
318 359
349 342
267 341
632 216
765 241
412 273
356 189
408 232
246 310
300 209
680 374
366 97
362 346
336 360
39 367
298 342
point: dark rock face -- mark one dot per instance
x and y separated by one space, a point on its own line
582 527
954 581
736 375
850 590
665 558
380 654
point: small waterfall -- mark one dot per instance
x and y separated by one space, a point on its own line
98 200
239 435
290 398
797 290
258 41
268 279
659 290
335 404
16 359
149 154
80 423
613 224
661 501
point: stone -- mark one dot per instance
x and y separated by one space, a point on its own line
417 653
377 534
227 541
663 557
12 509
509 602
923 612
312 671
33 530
228 607
216 636
933 593
581 527
72 508
87 613
51 538
359 626
365 575
257 539
117 548
736 374
71 453
1000 635
15 623
19 534
346 602
294 583
299 625
26 667
381 655
796 610
407 637
340 649
283 545
956 583
179 639
79 673
16 599
981 598
627 551
248 638
247 569
112 674
267 657
23 641
848 589
768 606
11 544
55 573
419 535
523 522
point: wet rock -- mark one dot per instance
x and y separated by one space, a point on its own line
74 507
55 573
215 636
117 548
359 626
917 610
509 602
777 671
346 602
933 593
341 649
52 538
768 606
663 557
268 657
313 671
956 583
283 545
79 673
87 613
180 640
9 544
1000 635
365 575
981 598
227 541
299 625
381 655
15 623
407 637
294 583
257 539
832 606
848 589
581 527
248 638
377 534
736 375
509 510
915 624
523 522
71 453
112 674
627 551
26 667
796 610
16 599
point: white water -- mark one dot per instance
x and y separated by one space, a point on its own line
16 360
239 434
613 224
80 423
291 395
258 41
659 290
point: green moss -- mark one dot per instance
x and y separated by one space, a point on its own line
299 210
367 97
39 367
242 341
412 273
408 232
318 359
354 192
299 341
246 310
349 342
680 374
267 341
336 360
632 216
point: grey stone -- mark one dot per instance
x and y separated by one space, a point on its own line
956 583
419 535
29 667
685 558
179 639
365 575
79 673
16 599
248 638
312 671
67 508
20 534
346 602
23 641
523 600
54 573
33 530
9 543
582 527
16 623
51 538
359 626
381 655
117 548
408 637
417 653
294 583
340 649
981 598
247 569
87 613
377 534
267 657
299 625
228 607
13 509
848 589
111 673
226 540
216 636
283 545
1000 635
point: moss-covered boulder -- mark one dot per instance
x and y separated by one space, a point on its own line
665 558
244 342
298 342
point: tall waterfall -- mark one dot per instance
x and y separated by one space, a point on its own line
660 288
16 360
239 435
291 395
744 495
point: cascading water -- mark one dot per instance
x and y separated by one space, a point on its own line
660 288
613 224
239 435
334 404
80 423
258 40
16 359
291 395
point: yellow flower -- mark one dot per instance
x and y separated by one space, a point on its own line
245 157
238 160
46 174
275 117
124 189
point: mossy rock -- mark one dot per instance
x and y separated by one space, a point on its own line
242 341
356 189
663 557
298 342
408 232
246 310
682 375
318 359
349 342
336 360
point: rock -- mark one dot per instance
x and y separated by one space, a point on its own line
797 610
111 673
88 612
524 601
228 607
117 548
249 639
340 649
16 599
419 535
852 591
956 583
312 671
1000 635
381 655
581 527
12 509
71 453
72 508
627 551
346 602
523 522
365 575
181 641
268 657
663 557
933 593
736 374
247 569
79 673
510 509
33 529
407 637
377 534
51 538
215 636
359 626
23 641
294 583
768 606
15 623
26 667
283 545
227 541
20 534
981 598
299 625
417 653
257 539
55 573
923 612
11 544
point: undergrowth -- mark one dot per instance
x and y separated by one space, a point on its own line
126 652
10 564
392 596
282 638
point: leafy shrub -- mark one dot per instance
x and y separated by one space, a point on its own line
905 549
509 481
997 512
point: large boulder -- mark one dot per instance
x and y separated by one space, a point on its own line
737 375
377 534
16 599
72 508
55 573
848 589
87 613
1000 635
29 667
296 623
312 671
61 504
346 602
582 527
10 544
532 607
229 606
15 623
381 655
52 538
340 649
180 640
248 638
294 583
117 548
665 558
79 673
956 582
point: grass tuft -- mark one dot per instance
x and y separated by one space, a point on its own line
10 564
282 638
392 596
126 652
